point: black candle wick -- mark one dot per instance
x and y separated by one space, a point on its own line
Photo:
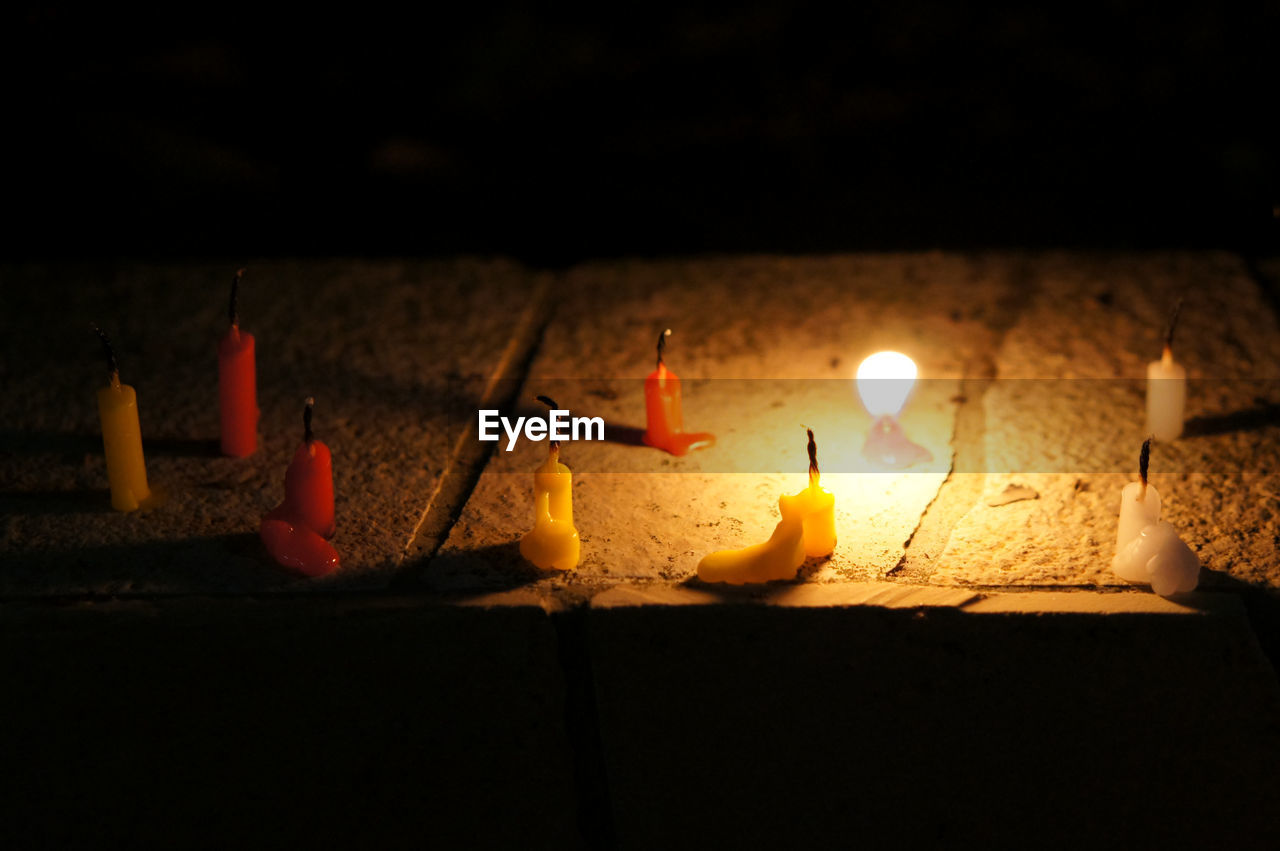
550 403
113 371
813 453
662 344
233 309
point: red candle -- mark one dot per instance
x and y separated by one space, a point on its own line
308 483
237 385
294 531
297 547
663 411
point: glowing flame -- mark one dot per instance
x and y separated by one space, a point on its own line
884 382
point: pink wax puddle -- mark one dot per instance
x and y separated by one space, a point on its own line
889 447
681 443
295 546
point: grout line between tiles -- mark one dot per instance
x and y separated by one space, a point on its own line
470 456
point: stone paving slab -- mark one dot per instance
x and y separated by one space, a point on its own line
952 711
1091 324
890 595
391 351
283 721
399 354
763 344
1131 721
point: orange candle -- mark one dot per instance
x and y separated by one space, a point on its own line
665 418
237 384
294 532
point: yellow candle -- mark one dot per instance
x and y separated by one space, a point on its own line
777 558
553 542
819 507
122 439
807 528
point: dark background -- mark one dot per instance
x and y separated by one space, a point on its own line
225 132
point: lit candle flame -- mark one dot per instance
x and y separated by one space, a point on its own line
884 382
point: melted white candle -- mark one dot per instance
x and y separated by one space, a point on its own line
1168 563
1166 397
1148 550
1139 507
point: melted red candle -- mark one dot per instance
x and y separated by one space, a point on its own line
238 393
294 532
308 487
665 416
297 547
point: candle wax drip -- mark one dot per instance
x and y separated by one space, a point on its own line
553 543
777 558
665 415
294 532
1157 555
888 446
807 529
295 546
1148 549
681 443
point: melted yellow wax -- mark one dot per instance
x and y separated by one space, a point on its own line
807 528
553 542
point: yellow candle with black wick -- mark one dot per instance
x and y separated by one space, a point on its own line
807 529
553 542
121 437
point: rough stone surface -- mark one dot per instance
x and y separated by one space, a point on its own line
781 726
890 595
764 345
1067 418
305 721
1032 366
391 351
894 687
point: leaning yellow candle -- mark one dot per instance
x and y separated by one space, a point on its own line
121 438
807 528
553 542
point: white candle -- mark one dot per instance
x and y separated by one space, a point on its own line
1169 564
1166 388
1139 508
1149 550
1166 397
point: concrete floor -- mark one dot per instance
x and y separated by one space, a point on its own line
957 670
